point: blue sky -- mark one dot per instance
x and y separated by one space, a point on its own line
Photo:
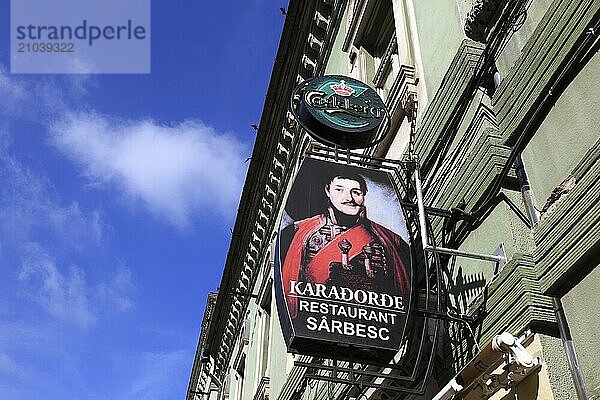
117 193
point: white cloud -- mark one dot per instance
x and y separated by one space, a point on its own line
66 295
29 205
159 375
37 228
177 171
117 291
36 98
12 92
12 367
20 335
62 296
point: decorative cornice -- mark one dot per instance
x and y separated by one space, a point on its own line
570 235
386 62
513 300
262 391
432 129
266 182
477 149
520 296
566 238
402 88
541 59
475 175
200 369
356 15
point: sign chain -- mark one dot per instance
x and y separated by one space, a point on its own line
410 108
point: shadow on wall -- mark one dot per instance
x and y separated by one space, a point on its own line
465 288
461 337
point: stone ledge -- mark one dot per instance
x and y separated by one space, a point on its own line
482 166
454 85
520 295
514 301
572 230
540 60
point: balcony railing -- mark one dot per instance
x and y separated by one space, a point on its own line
262 391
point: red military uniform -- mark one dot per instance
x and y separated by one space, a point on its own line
315 249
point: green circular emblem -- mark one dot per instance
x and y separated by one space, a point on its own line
340 110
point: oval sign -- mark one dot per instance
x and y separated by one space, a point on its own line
343 269
340 110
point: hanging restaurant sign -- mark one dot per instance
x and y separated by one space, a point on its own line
343 271
340 110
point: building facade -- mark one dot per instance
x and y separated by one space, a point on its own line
502 102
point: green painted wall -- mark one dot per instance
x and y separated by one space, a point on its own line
553 356
581 309
526 26
567 133
502 226
440 33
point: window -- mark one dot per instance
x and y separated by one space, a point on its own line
264 302
374 54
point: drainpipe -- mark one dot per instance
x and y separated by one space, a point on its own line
532 212
565 335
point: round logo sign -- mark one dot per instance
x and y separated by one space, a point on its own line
340 110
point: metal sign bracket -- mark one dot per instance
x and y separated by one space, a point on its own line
430 248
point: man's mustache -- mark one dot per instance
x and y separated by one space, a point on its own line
350 203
